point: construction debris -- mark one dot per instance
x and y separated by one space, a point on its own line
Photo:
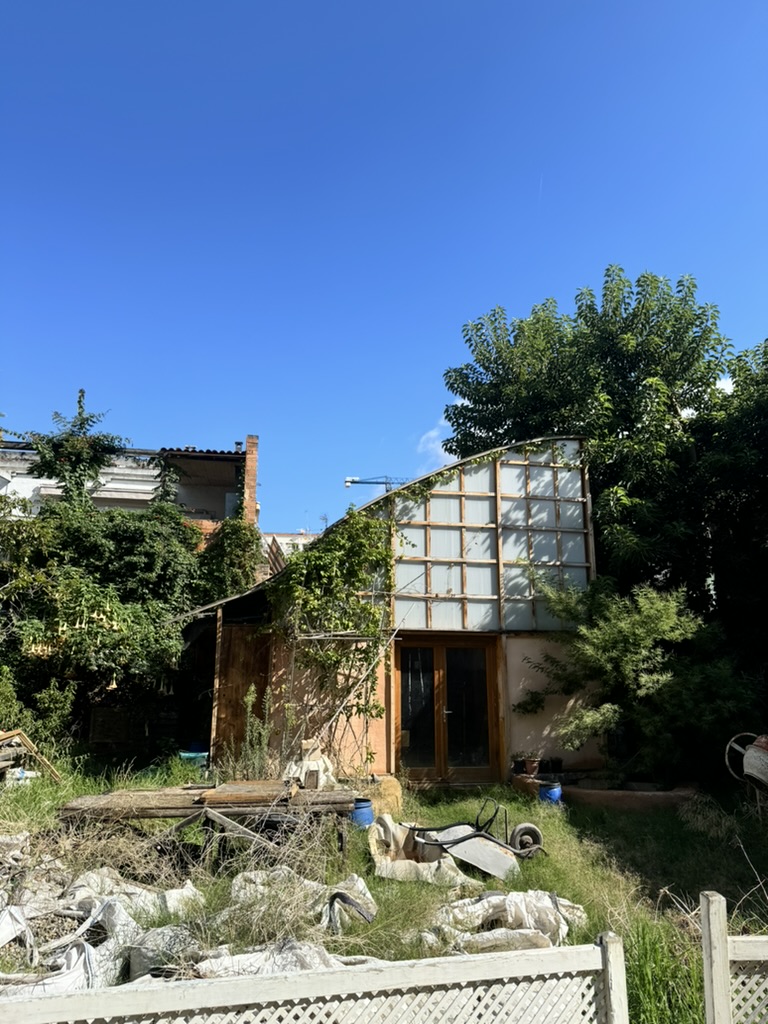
15 751
398 854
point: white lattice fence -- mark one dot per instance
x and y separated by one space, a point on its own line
735 968
542 986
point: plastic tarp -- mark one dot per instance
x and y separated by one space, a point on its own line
331 906
287 957
497 920
397 854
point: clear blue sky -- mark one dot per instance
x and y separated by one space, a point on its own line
237 217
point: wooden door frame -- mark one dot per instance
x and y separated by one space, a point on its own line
439 642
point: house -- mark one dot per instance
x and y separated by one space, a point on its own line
464 628
210 483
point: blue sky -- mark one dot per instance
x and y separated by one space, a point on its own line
241 217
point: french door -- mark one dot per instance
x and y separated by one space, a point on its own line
447 723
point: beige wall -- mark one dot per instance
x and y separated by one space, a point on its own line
535 732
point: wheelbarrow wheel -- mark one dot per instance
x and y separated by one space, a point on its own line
526 838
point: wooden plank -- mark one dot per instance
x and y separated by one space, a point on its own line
748 947
30 746
717 976
240 830
197 996
617 1010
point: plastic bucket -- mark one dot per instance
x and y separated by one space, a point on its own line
550 792
362 816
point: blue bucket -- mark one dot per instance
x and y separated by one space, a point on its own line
550 792
362 816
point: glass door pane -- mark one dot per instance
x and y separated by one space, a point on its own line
466 707
417 707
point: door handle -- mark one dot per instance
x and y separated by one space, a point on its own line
446 712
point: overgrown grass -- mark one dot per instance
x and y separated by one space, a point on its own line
637 874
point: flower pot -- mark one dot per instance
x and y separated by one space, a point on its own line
532 765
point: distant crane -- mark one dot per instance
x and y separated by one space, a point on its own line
388 482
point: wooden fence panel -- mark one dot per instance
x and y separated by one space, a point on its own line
542 986
735 968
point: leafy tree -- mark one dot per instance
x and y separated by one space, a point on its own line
74 455
231 561
629 374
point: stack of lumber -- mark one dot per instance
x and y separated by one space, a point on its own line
16 745
254 798
253 795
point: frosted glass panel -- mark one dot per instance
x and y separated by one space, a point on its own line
569 483
567 451
450 483
573 547
542 481
412 541
575 578
514 545
408 511
446 579
514 511
518 615
517 582
445 542
447 615
543 513
482 580
410 614
544 617
482 615
512 479
479 478
545 547
479 510
542 456
479 543
571 515
411 577
444 509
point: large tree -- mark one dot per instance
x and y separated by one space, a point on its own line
630 374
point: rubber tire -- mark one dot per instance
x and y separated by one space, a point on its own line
525 836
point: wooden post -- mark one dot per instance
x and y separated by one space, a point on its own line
213 746
617 1010
717 971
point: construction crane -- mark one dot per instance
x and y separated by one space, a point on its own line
388 482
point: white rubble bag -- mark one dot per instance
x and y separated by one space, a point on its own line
397 854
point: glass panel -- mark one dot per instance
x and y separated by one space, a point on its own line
479 478
445 542
450 483
479 543
482 580
567 451
542 481
444 509
573 547
410 614
546 578
544 617
409 511
447 615
467 707
572 515
412 541
446 579
545 547
417 707
569 483
543 513
514 545
514 511
512 479
479 510
575 578
518 615
517 582
411 577
544 455
482 615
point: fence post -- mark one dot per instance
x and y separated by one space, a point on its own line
617 1010
717 971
